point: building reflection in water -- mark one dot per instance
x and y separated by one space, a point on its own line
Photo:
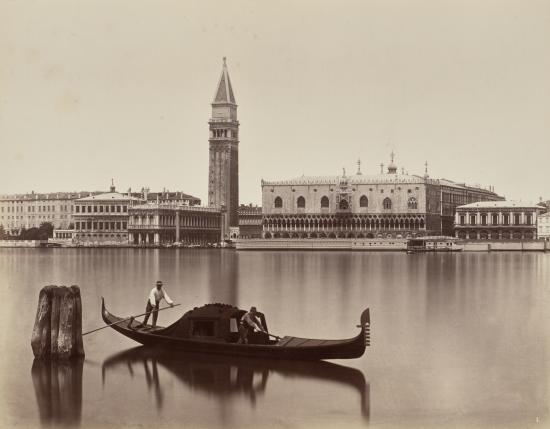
226 376
58 389
223 277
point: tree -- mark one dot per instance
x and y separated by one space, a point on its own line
45 231
28 234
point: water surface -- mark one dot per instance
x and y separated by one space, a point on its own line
458 340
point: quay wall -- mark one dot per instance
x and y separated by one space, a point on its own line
505 245
20 243
384 244
321 244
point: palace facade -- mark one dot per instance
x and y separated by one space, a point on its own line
385 205
155 224
102 220
497 220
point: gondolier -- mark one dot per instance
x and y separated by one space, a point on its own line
249 322
155 297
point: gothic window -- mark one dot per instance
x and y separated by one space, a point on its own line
301 202
278 203
387 204
344 205
363 201
412 203
324 202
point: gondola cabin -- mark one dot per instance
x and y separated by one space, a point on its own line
217 323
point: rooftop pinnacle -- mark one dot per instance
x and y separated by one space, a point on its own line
224 92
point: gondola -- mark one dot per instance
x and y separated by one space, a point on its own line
213 329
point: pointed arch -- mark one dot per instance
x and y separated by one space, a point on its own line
278 203
363 201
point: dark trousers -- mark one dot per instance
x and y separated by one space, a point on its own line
148 310
244 329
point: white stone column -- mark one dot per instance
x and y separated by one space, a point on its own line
157 238
177 225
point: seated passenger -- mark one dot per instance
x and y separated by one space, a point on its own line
249 322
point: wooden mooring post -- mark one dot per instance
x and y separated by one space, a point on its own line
57 332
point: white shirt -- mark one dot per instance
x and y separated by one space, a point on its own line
156 296
251 321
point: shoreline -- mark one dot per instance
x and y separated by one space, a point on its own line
363 245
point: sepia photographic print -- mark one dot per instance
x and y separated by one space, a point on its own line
275 214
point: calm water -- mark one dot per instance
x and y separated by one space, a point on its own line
457 340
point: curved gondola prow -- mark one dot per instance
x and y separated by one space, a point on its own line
365 325
104 312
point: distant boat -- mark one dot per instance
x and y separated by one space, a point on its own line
433 244
213 329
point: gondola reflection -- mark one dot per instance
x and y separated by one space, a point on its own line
224 376
58 389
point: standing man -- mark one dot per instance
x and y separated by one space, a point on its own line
153 303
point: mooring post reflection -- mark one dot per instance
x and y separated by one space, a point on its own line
58 389
225 377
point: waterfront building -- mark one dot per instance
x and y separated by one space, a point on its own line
385 205
497 220
62 237
543 226
27 211
223 172
165 196
250 221
102 219
169 223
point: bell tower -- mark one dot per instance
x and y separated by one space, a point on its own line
223 172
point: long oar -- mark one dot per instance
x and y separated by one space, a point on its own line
128 318
271 335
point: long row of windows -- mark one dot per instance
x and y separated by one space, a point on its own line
101 209
344 205
92 225
495 219
32 208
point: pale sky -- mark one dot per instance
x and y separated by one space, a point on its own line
94 90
